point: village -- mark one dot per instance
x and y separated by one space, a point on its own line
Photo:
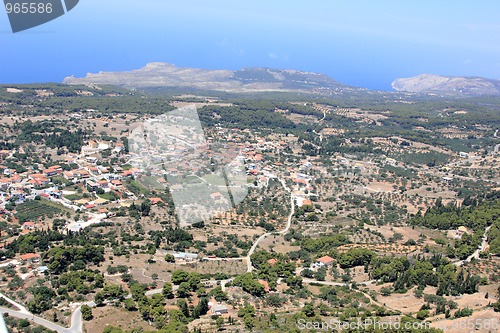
107 196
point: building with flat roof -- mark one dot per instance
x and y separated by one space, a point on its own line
219 309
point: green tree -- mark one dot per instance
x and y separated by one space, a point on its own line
184 290
308 310
179 276
385 291
99 299
249 309
496 306
86 312
167 290
248 321
129 304
183 307
201 309
422 314
219 294
275 300
219 322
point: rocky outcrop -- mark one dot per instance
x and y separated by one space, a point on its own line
448 85
246 80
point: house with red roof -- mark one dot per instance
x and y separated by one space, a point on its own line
102 183
83 174
93 169
93 144
325 261
299 181
161 180
16 179
50 172
154 201
216 196
28 225
4 183
306 202
272 261
30 257
127 173
36 176
265 284
69 175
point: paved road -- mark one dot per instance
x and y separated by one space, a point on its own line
76 326
23 313
175 287
17 305
225 259
479 249
473 158
158 290
366 283
76 322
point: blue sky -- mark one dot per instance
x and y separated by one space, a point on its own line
361 43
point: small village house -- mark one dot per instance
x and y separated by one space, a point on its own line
219 309
324 261
30 257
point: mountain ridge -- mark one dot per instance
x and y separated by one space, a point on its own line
250 79
262 79
448 85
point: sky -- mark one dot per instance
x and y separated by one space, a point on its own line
359 43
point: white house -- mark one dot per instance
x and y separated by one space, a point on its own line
219 309
324 261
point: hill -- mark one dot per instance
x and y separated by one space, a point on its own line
257 79
448 85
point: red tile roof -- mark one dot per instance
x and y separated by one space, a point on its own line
265 284
154 201
29 256
325 260
272 261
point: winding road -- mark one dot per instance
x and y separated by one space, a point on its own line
284 231
23 313
76 317
366 294
475 255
